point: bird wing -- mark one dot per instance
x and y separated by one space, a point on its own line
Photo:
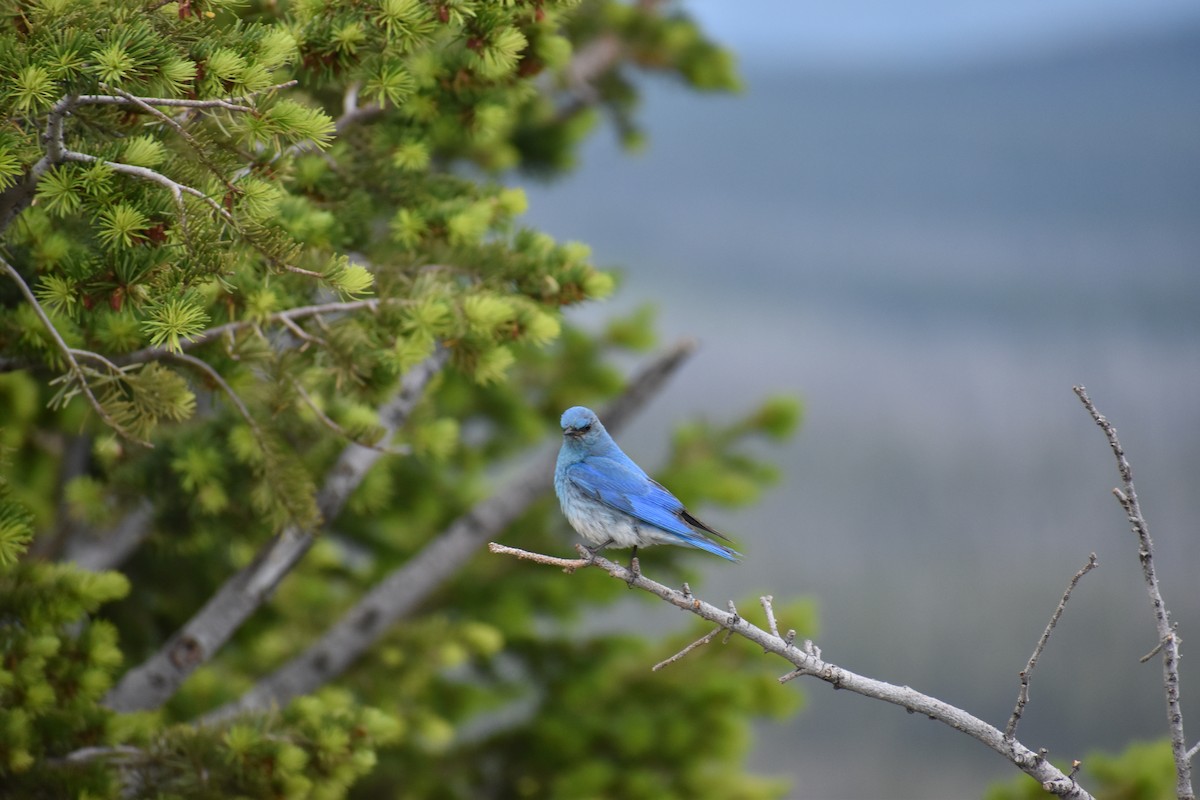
640 497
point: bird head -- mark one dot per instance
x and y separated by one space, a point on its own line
581 426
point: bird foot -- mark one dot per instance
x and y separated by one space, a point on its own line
635 570
594 551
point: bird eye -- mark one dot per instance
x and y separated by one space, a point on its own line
585 428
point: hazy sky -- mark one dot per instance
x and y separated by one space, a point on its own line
857 31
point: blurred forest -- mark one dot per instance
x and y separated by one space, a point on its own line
284 336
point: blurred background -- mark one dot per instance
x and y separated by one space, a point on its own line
929 220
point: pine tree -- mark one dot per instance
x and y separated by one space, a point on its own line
269 329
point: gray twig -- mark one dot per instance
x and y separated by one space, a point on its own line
1023 693
808 663
703 640
1127 497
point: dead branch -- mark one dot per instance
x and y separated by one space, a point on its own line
1167 639
808 662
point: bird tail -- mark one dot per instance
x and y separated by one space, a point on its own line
709 546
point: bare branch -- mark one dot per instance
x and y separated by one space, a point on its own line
568 565
1127 496
407 586
154 681
68 354
808 662
1023 693
214 376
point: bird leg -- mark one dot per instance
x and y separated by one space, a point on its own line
635 567
592 551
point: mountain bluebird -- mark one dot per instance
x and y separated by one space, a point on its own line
610 501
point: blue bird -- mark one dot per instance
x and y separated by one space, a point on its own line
611 502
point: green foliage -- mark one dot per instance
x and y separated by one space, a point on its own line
57 666
662 734
706 463
239 268
1144 771
16 522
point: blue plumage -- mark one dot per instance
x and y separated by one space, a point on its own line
611 502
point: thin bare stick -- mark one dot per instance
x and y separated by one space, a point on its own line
1192 753
567 565
325 420
299 333
703 640
308 273
809 662
67 353
1023 693
1127 496
215 377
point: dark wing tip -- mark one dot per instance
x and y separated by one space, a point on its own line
686 516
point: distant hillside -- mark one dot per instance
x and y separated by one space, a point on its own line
1002 180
